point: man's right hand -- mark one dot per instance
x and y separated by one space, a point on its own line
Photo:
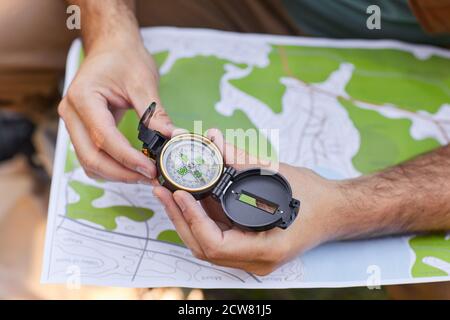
118 73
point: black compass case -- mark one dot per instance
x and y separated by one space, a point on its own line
256 199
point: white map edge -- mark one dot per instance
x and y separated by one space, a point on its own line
420 51
59 161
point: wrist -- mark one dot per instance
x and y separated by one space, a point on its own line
323 210
108 26
114 42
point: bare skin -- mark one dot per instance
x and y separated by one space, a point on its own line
412 197
118 73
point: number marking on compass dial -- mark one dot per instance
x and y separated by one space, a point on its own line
191 163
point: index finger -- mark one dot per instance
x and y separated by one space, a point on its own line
105 135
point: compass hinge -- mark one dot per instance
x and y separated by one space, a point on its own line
152 140
294 207
223 183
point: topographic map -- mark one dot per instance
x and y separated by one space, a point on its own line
342 108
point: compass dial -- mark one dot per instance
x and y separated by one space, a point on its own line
191 162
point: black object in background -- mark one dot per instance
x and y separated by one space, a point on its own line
15 135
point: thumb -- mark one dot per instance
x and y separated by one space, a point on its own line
160 120
205 230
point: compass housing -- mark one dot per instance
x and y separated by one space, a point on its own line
167 179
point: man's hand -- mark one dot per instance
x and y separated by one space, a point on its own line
117 74
411 197
204 228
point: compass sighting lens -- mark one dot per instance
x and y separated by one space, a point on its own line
257 202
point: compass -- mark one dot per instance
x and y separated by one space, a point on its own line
191 162
253 199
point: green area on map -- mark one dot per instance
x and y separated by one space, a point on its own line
103 216
437 247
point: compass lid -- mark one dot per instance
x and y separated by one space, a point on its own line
152 140
259 199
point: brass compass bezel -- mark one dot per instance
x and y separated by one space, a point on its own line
205 141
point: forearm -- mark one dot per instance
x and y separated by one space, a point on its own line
107 20
411 197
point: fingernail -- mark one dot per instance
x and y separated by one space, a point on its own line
212 132
144 172
180 203
170 126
